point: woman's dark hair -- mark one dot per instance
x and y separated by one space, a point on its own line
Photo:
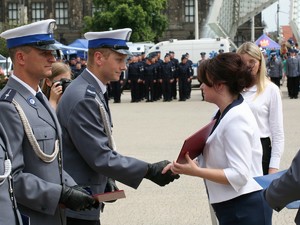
201 71
228 68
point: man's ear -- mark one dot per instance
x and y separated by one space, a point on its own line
20 57
98 57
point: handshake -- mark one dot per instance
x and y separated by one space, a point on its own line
155 174
77 198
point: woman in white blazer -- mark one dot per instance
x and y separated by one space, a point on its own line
233 152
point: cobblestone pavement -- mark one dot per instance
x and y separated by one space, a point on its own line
155 131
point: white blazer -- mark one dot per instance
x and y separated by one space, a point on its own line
235 147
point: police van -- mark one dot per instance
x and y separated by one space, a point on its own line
210 46
139 47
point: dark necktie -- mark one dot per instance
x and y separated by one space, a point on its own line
39 96
106 98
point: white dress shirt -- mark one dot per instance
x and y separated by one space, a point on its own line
26 85
235 147
267 109
102 86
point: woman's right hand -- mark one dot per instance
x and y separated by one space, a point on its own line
55 94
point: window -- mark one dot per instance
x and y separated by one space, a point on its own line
61 13
96 9
13 13
37 11
189 9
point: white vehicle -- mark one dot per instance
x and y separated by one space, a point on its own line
6 65
210 46
139 47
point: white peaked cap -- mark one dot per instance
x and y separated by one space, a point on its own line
38 34
114 39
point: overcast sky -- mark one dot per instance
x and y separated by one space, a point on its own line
269 15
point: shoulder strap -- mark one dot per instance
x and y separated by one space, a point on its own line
8 95
90 91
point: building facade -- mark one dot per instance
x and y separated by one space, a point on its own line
69 15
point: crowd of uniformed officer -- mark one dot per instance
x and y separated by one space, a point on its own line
151 78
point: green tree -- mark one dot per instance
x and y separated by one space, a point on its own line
144 17
3 48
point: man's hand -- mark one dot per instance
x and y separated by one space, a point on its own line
77 198
111 186
154 173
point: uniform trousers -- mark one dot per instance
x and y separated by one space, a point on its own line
174 89
276 80
134 91
247 209
293 86
267 148
167 90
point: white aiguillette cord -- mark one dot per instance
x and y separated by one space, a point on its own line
7 165
107 127
32 140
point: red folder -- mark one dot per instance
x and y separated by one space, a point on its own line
110 196
194 144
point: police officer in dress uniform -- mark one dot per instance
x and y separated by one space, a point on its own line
116 88
293 74
274 66
189 85
90 154
141 82
9 213
42 188
285 189
149 79
175 63
159 84
156 66
184 74
134 78
202 59
167 78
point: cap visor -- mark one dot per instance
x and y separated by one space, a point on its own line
47 47
123 51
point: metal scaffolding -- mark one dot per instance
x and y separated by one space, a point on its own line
227 15
295 18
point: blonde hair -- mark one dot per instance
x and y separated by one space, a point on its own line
254 51
57 69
